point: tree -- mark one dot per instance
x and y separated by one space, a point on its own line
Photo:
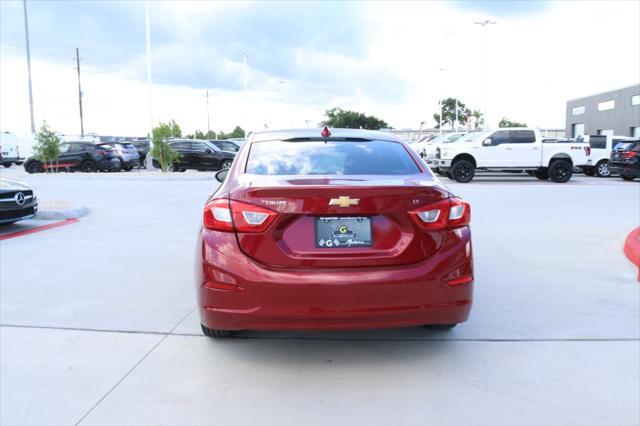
449 107
47 147
237 132
339 118
505 122
161 149
478 118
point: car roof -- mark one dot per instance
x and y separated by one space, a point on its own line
315 133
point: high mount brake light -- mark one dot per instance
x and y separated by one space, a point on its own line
229 215
450 213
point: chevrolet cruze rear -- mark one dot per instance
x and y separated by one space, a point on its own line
344 230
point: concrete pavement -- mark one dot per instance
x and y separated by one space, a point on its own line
98 325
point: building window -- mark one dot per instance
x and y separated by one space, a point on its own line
577 129
605 132
578 110
606 105
635 132
635 100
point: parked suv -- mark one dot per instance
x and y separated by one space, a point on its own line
625 159
226 145
127 154
601 149
199 155
142 145
84 156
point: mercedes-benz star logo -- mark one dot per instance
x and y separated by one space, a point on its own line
19 197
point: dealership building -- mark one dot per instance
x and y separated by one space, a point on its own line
611 113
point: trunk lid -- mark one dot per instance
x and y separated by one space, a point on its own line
299 200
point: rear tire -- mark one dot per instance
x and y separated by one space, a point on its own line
463 171
628 177
7 165
602 169
225 164
542 174
89 166
589 172
127 169
560 171
216 334
440 326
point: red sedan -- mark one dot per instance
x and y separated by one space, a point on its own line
327 230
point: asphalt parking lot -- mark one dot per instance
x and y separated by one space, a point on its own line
98 321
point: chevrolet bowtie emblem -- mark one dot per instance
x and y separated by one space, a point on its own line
344 201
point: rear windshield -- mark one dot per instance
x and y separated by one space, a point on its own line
625 146
330 158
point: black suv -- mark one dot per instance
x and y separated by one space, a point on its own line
199 155
625 159
83 156
225 145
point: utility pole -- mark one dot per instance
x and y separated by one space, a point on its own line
26 34
246 101
149 159
485 25
79 93
208 121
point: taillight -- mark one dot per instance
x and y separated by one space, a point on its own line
587 150
446 214
227 216
629 154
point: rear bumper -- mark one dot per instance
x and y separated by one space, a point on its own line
259 298
625 169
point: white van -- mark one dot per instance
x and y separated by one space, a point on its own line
601 147
9 150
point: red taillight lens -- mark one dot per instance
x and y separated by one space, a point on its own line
629 154
227 216
446 214
217 216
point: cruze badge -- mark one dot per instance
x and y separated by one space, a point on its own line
344 201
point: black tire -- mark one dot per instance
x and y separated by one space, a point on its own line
182 170
127 169
156 164
589 172
577 169
463 171
440 326
173 168
116 168
628 177
602 168
560 171
225 164
88 166
7 165
34 167
542 174
216 334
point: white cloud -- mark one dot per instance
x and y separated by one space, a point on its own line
536 62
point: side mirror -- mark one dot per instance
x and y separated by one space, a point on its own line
487 142
208 151
222 175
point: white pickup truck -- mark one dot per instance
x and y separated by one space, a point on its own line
517 148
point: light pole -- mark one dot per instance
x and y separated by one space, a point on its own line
440 102
246 101
485 25
149 159
26 35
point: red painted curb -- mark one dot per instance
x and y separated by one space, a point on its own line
632 248
38 229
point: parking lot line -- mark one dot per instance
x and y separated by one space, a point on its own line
37 229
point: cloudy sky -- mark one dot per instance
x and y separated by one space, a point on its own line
303 58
